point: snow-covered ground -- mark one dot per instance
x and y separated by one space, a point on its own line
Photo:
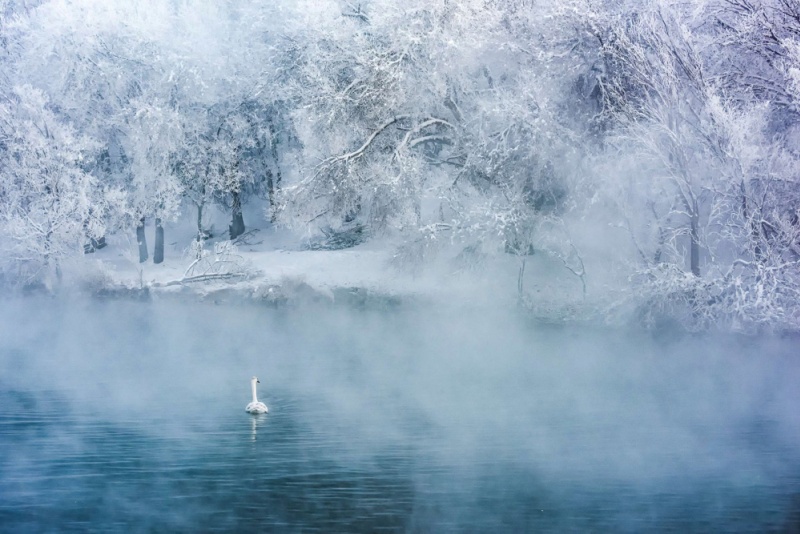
272 264
361 266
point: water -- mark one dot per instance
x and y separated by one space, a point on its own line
130 416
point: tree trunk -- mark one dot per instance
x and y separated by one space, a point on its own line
237 220
694 251
271 194
141 240
158 252
275 186
201 235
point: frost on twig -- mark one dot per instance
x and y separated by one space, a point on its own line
223 263
749 297
412 254
247 239
341 238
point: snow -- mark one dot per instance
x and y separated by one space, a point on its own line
277 264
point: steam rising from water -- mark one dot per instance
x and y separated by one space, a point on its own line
449 418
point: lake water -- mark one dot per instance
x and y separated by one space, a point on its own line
129 416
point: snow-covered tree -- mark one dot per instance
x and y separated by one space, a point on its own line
705 165
411 111
500 127
51 203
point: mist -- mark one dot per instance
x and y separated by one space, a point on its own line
499 266
454 414
614 169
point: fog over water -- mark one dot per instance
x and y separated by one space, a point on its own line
118 414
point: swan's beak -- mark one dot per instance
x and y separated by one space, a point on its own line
258 381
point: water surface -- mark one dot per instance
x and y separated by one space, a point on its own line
130 416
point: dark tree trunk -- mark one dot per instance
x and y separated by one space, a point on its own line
141 240
271 193
201 235
158 252
237 220
273 186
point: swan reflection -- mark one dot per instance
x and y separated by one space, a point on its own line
254 422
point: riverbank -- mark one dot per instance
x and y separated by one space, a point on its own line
273 266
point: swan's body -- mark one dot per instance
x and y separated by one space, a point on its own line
255 407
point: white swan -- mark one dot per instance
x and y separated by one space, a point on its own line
255 407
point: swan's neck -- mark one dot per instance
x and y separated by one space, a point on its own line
253 387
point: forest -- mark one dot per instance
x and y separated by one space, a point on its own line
647 149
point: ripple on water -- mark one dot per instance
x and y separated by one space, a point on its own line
429 443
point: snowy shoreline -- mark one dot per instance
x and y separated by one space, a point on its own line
272 278
275 269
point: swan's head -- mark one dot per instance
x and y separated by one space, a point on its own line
255 380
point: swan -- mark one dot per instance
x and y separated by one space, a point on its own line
255 407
